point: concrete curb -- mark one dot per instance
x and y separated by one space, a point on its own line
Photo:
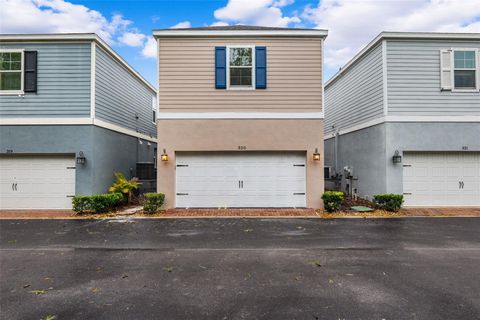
228 217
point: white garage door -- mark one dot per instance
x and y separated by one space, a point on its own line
245 179
37 182
441 178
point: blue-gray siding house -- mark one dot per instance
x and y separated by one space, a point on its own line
413 95
65 98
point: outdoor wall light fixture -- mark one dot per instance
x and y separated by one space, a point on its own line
397 158
316 155
164 156
81 158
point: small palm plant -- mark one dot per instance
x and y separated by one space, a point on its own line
124 186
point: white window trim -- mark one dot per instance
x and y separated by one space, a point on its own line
228 67
21 91
477 69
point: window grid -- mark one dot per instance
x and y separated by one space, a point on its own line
11 71
240 70
464 69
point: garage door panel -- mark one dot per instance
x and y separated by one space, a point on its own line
41 182
441 178
267 179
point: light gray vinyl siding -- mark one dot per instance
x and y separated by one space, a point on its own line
413 77
356 96
120 97
63 82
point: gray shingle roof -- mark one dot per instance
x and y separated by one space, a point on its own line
236 27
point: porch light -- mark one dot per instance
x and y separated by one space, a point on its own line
164 156
316 155
81 158
397 158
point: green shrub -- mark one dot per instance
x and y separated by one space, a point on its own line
82 203
153 202
97 203
389 202
124 186
332 200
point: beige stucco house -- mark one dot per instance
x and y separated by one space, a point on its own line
240 117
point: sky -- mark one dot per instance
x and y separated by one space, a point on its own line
126 25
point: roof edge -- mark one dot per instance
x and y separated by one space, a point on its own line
385 35
239 33
77 37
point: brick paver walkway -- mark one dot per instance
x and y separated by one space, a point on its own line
442 212
35 213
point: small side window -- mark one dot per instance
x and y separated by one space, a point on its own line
154 110
11 72
464 69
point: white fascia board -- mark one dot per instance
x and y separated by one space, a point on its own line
433 119
117 128
402 35
239 115
238 33
391 119
357 127
431 35
44 121
44 37
75 37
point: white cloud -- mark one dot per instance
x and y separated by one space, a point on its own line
258 12
282 3
50 16
150 48
352 24
183 24
219 24
60 16
133 39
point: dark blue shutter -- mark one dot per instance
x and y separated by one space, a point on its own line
220 67
30 76
261 67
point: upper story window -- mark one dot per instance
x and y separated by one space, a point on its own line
11 71
460 70
240 67
465 69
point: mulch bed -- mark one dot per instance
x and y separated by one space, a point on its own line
350 202
240 213
350 213
410 212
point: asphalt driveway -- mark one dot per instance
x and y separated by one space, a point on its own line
407 268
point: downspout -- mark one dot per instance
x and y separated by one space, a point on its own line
335 150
